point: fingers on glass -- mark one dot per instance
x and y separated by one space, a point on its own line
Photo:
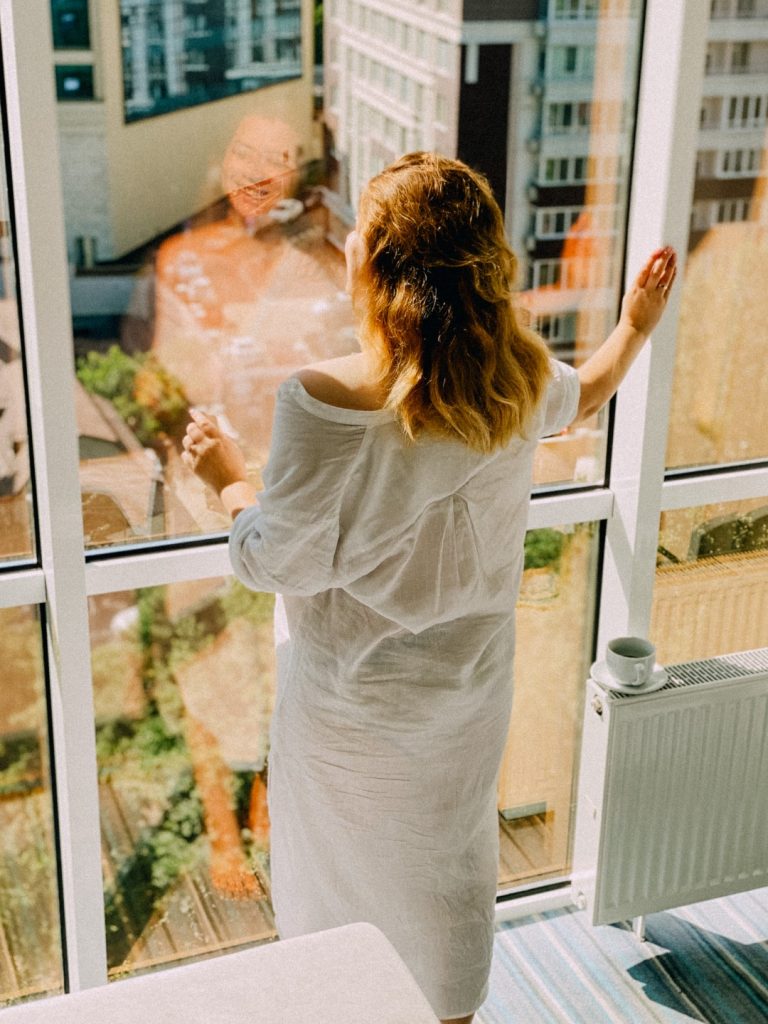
645 274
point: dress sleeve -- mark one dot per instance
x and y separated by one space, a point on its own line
561 399
286 543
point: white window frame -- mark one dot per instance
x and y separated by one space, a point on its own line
664 157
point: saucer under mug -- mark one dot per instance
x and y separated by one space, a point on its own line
602 674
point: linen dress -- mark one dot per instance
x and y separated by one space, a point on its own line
397 568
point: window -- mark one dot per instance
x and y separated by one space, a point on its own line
747 111
572 10
182 771
74 82
69 20
568 117
575 221
208 271
737 163
711 590
29 912
714 380
16 531
565 169
555 599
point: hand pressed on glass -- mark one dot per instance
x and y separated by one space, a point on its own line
646 298
641 309
217 461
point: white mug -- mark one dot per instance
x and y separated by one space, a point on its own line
631 659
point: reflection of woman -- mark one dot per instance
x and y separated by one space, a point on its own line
243 300
392 524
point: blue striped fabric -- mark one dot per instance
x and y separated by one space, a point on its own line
706 962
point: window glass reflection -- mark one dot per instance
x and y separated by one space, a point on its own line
16 536
30 962
206 244
183 691
711 591
719 349
537 773
177 54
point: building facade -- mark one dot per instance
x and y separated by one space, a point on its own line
511 89
536 97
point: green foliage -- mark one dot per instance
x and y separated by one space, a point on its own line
149 398
146 748
240 602
169 848
543 548
318 26
20 765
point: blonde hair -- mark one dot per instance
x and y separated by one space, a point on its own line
435 296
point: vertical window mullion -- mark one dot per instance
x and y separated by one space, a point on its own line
664 158
44 291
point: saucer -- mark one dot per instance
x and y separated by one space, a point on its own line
601 674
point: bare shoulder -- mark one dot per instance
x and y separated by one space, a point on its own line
341 382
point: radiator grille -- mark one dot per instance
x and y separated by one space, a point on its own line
709 670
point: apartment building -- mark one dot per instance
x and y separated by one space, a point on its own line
511 88
734 113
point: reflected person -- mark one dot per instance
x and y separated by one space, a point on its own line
391 525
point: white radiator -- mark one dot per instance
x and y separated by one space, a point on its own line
673 805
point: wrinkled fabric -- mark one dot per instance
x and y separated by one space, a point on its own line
397 568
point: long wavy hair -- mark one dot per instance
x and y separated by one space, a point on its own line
434 293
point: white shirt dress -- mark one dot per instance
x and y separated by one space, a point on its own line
397 568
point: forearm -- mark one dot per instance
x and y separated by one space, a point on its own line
237 496
641 309
601 375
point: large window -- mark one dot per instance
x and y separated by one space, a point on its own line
207 248
200 256
719 349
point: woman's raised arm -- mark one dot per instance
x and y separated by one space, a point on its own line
641 309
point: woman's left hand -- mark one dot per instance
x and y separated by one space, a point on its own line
210 454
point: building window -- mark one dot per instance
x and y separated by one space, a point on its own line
74 82
573 10
576 221
568 117
564 170
747 111
69 19
738 163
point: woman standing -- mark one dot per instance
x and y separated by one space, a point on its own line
391 526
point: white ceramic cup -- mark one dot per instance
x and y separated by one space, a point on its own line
631 659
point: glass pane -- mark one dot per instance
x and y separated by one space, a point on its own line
30 941
206 237
711 592
183 690
16 535
542 754
720 350
70 24
567 192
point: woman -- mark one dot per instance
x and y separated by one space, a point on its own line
391 524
